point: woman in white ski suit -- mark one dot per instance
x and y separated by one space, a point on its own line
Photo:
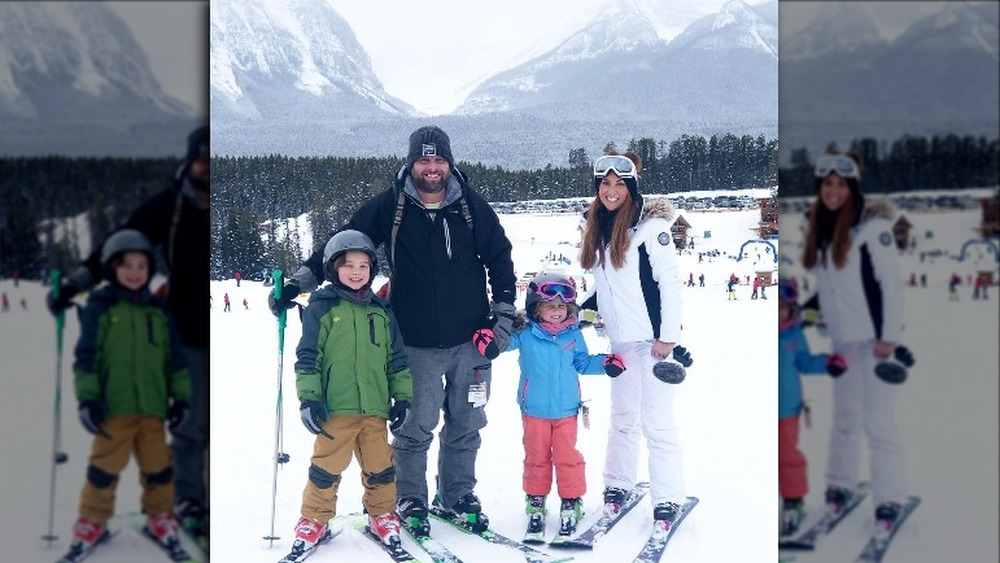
628 245
850 249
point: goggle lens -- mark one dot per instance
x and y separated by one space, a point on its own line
844 166
621 165
550 291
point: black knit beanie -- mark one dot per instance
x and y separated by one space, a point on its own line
429 141
197 146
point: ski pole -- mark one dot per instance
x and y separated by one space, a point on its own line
58 456
280 457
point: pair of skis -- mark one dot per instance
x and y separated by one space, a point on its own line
335 528
530 554
655 544
438 552
174 550
877 545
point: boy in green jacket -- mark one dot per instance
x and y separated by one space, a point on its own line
129 377
351 376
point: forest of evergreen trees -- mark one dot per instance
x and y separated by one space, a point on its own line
908 163
248 192
33 191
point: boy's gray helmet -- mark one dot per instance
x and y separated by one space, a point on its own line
123 241
341 243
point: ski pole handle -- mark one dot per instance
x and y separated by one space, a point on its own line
55 277
279 284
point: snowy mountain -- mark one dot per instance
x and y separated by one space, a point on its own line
74 81
292 62
573 69
721 69
722 78
841 80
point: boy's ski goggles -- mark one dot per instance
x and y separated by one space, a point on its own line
551 290
844 166
620 165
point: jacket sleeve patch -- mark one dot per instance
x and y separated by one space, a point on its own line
885 238
663 239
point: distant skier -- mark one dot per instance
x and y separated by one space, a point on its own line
978 288
225 301
24 304
246 304
756 287
5 302
701 280
125 407
237 276
953 282
731 288
763 288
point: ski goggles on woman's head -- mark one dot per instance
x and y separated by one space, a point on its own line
844 166
620 165
550 290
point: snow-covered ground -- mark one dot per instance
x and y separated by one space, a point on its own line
947 411
725 410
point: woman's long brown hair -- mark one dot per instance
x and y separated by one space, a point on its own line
592 248
840 239
821 236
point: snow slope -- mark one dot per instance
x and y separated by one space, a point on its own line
725 411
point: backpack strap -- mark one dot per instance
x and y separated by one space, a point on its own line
466 214
397 218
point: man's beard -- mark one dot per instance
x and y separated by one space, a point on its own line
428 188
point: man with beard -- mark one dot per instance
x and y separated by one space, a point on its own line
441 239
177 221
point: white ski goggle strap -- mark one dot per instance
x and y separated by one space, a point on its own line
844 166
620 165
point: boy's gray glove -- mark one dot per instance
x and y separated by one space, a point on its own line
504 316
314 414
92 415
397 413
288 292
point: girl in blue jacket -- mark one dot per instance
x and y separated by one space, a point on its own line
794 360
553 354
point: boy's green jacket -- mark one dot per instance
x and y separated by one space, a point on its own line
351 356
129 356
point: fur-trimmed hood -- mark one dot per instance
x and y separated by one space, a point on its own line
656 208
878 209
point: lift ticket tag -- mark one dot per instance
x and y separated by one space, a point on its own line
477 394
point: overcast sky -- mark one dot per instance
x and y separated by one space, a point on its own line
429 54
174 36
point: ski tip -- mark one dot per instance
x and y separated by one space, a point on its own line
571 545
796 546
